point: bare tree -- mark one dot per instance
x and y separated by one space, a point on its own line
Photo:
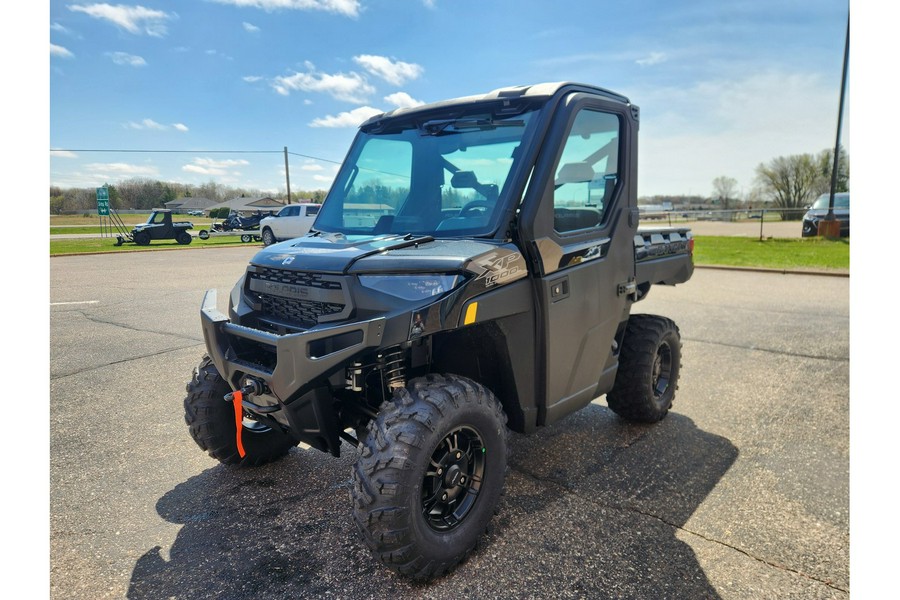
725 190
790 182
825 162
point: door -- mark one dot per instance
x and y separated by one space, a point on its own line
584 239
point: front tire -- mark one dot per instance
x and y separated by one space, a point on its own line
430 474
268 238
649 365
142 238
211 422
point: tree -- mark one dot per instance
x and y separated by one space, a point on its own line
792 182
725 190
825 162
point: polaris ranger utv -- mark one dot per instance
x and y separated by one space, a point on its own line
472 268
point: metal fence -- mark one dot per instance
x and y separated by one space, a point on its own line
745 216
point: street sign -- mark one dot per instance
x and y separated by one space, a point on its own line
103 201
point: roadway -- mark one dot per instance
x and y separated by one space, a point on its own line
741 492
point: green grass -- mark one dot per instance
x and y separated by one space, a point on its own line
799 254
92 245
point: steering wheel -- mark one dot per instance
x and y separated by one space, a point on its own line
475 206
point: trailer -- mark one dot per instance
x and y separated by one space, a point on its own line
246 236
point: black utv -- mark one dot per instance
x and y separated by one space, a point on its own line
472 269
159 226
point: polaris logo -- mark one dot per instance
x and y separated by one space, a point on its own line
285 289
296 292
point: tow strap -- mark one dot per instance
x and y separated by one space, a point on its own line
238 401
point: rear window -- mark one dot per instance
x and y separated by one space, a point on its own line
312 210
840 201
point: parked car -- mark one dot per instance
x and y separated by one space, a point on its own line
195 213
292 221
817 211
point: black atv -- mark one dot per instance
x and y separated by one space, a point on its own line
159 226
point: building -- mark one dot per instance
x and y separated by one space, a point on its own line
249 205
183 205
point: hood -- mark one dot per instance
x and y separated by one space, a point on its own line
372 254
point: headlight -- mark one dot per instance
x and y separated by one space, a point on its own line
410 287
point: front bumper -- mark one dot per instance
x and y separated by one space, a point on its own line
299 359
294 370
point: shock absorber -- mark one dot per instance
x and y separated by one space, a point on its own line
394 369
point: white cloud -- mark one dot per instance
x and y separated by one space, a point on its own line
349 8
62 154
209 166
324 179
430 3
251 78
150 124
60 29
352 118
146 124
403 100
130 60
250 27
654 59
121 169
133 19
349 87
396 73
312 168
60 51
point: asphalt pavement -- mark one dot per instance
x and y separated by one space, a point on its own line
741 492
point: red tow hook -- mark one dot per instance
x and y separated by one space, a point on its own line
237 398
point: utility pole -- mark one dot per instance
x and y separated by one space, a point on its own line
287 175
829 226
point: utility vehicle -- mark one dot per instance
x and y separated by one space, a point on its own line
159 226
472 269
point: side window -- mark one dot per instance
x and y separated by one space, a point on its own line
587 172
312 210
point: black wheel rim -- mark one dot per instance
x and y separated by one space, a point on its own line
662 370
454 479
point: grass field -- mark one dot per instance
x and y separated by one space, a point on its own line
95 245
799 254
791 254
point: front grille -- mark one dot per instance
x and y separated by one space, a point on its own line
306 312
296 297
296 278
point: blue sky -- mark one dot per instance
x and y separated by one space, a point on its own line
722 86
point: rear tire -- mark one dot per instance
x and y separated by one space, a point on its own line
268 238
211 422
203 235
649 365
429 475
183 238
246 238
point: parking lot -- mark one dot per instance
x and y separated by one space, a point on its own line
741 492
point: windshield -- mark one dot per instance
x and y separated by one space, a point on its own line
442 177
840 201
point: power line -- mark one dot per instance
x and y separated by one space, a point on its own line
133 151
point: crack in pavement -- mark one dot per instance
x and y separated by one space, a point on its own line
124 360
101 321
568 487
769 350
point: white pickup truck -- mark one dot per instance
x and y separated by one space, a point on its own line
292 221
